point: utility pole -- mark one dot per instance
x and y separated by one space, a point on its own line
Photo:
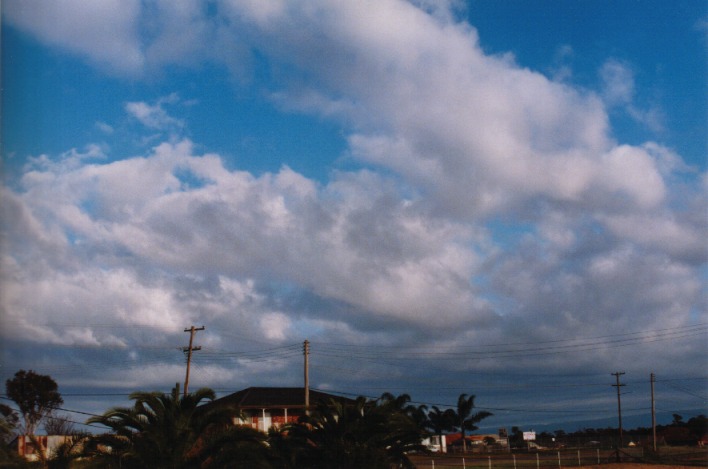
652 378
306 352
619 409
188 350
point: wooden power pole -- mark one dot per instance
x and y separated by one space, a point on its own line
188 350
652 378
619 408
306 352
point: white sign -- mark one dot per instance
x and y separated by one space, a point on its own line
529 436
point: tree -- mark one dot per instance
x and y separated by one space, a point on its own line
36 395
465 420
402 404
330 436
517 437
403 426
8 423
160 430
440 421
59 425
8 452
67 452
698 426
336 435
236 447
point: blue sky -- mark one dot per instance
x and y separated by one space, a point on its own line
505 199
659 43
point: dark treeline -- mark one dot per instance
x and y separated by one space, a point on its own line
678 432
193 431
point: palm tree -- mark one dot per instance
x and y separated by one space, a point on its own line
401 404
440 421
371 434
328 437
465 420
67 452
160 430
404 427
236 447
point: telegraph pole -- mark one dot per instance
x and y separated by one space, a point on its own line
306 352
619 408
652 378
188 350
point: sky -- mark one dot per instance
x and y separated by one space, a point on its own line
503 199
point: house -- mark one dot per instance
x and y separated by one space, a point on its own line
436 443
266 407
39 447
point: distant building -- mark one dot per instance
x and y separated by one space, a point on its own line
477 443
436 443
266 407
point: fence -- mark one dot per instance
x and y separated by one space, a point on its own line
560 459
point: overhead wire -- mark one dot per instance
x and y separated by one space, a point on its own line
686 391
63 409
452 405
702 326
364 352
385 356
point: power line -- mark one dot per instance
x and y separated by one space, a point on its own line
496 409
686 391
59 408
700 327
573 345
394 353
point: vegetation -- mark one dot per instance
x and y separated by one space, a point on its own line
169 431
173 431
678 432
8 426
59 425
367 434
159 431
465 420
36 395
8 423
440 421
237 446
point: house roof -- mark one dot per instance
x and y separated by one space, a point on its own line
265 397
